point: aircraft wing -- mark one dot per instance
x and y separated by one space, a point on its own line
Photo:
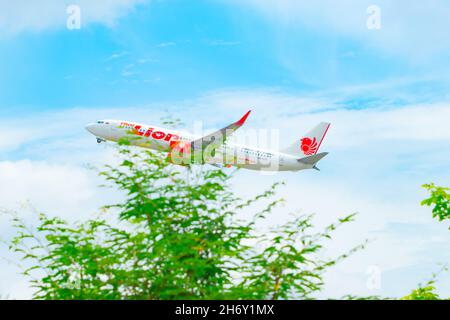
217 138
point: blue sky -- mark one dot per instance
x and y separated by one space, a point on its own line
177 49
165 49
294 62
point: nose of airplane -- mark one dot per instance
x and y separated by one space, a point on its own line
91 128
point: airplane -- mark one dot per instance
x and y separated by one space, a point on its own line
185 148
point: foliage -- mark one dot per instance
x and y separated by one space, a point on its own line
287 268
179 237
423 293
440 199
427 291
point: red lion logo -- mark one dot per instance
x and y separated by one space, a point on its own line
308 146
180 147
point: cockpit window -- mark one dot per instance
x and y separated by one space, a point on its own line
100 122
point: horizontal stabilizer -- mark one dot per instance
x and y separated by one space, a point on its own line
312 160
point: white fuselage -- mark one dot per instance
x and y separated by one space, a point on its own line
229 154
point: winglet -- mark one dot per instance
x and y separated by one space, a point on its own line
241 122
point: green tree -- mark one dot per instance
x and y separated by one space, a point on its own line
423 293
427 291
440 200
178 236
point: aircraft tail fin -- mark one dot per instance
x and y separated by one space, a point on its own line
310 143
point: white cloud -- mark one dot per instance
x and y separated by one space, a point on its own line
117 55
412 30
22 15
166 44
66 190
